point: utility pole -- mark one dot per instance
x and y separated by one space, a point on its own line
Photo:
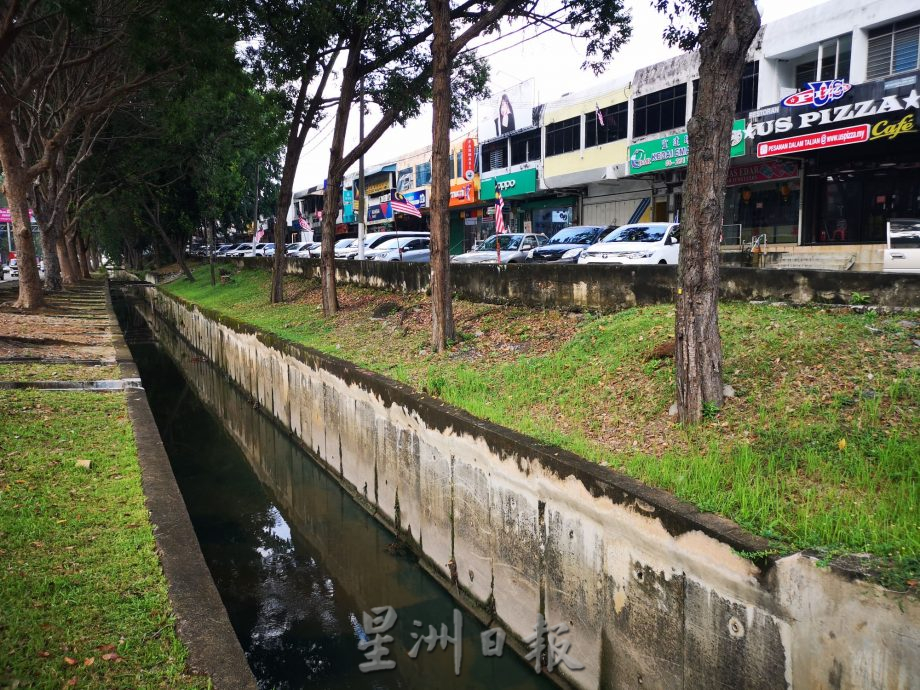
363 207
255 212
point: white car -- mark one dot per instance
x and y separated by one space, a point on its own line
639 243
902 254
373 240
414 249
240 250
513 248
305 250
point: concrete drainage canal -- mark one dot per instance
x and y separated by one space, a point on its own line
296 561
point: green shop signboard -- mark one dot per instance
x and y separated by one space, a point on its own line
672 151
514 184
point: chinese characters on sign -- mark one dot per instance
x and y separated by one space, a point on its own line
548 648
673 151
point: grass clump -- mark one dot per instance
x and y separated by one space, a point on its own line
83 599
820 448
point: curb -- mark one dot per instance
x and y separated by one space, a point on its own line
201 619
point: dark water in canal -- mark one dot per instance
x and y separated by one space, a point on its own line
295 559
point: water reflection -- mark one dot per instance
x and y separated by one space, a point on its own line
295 559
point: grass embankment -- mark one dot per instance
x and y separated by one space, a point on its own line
820 448
83 600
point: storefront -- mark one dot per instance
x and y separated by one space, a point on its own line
859 149
525 211
663 161
762 199
466 212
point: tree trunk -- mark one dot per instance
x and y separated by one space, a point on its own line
48 235
83 256
334 178
292 156
211 251
71 246
178 255
442 318
16 190
724 43
68 271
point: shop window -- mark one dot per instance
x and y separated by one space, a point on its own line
747 94
494 155
660 111
423 174
525 147
562 137
894 48
459 168
765 208
613 129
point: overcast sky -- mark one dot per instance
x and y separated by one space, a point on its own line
554 61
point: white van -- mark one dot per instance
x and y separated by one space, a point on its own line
902 253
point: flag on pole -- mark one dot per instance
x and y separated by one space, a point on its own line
600 116
400 205
499 214
258 236
304 225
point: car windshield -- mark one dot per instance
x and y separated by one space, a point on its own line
637 233
342 244
507 242
574 235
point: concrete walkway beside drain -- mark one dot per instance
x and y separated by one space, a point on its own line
78 327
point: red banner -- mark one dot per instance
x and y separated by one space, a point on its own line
765 171
469 160
808 142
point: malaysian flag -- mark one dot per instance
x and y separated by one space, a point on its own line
499 215
400 205
304 225
599 114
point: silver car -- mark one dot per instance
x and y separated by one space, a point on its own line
512 248
413 249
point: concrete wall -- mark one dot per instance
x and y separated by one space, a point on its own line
652 590
612 288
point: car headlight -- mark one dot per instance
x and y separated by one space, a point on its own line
638 255
573 253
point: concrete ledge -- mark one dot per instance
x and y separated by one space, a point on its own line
652 588
202 621
612 288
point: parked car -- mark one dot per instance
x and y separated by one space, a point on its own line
306 250
244 249
412 249
565 246
343 247
640 243
373 240
260 248
902 253
223 249
268 250
514 248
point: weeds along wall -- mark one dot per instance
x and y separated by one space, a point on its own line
653 591
613 288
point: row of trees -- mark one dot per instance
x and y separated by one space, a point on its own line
121 121
125 125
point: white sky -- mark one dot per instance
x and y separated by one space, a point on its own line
553 60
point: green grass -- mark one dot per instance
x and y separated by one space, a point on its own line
820 450
38 371
79 575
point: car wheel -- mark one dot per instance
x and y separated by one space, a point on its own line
662 262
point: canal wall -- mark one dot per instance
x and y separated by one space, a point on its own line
601 288
654 592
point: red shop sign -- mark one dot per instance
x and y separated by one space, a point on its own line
809 142
469 159
765 171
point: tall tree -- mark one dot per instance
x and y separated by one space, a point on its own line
605 23
727 29
294 46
